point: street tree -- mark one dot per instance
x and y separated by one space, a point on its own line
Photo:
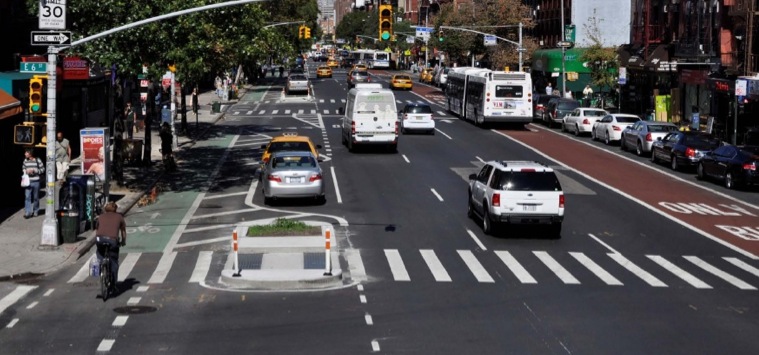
602 61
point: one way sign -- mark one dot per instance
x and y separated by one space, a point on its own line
45 38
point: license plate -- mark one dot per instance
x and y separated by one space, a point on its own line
529 208
294 180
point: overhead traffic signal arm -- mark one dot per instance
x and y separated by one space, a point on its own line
385 22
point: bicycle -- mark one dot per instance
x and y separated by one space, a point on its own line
107 279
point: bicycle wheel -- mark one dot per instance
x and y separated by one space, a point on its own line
105 278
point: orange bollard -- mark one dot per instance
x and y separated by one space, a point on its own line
327 252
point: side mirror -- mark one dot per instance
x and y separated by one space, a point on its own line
472 176
318 146
340 110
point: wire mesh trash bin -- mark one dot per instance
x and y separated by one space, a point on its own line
69 223
216 107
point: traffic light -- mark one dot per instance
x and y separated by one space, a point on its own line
302 31
35 95
440 35
385 22
307 33
23 134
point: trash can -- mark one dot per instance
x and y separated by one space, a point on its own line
132 151
216 107
69 224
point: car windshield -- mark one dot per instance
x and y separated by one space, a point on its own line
568 105
627 119
360 73
289 161
289 146
419 109
661 128
402 77
529 181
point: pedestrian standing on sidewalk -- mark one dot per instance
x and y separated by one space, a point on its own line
195 106
129 116
34 168
549 89
62 156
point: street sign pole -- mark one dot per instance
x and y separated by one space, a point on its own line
50 225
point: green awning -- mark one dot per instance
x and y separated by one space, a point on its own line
549 60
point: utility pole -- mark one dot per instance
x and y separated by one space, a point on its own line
563 54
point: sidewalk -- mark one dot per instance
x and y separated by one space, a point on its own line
21 255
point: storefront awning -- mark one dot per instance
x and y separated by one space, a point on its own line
549 60
9 105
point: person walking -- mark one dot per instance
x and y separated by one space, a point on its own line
129 117
109 225
34 168
549 89
62 156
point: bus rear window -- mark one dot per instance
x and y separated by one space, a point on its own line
509 91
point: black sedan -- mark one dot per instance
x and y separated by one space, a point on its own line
682 148
736 166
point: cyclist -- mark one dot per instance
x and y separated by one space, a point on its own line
109 224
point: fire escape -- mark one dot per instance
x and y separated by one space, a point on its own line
648 26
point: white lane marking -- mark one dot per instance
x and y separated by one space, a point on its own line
684 275
475 267
202 265
162 270
641 202
596 269
143 288
356 266
441 113
557 269
437 195
313 111
300 112
334 182
435 266
120 321
476 240
480 159
516 268
48 292
133 301
205 241
235 113
15 295
360 287
396 265
743 265
719 273
225 213
82 273
368 319
326 112
275 112
249 112
332 101
287 112
443 133
126 265
206 228
405 158
362 298
32 305
106 345
375 346
12 323
229 194
602 243
635 269
261 112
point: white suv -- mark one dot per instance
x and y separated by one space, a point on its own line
516 192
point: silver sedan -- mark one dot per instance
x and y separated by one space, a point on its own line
292 175
642 135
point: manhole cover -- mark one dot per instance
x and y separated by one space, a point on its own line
135 309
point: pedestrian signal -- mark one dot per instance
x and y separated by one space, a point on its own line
23 134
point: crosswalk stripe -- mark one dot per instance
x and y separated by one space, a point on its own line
126 265
287 112
516 268
235 113
261 112
396 265
684 275
162 270
475 267
596 269
301 112
275 112
719 273
19 292
82 273
557 269
326 112
332 101
342 100
355 265
635 269
313 111
743 265
321 101
202 265
433 263
442 113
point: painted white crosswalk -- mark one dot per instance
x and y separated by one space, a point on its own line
438 114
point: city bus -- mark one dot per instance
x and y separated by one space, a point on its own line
484 96
372 58
381 60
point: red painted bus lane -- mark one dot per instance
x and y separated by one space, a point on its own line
722 219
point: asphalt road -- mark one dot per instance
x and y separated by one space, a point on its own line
630 274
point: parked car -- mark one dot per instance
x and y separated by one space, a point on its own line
296 83
516 192
323 72
539 103
417 117
295 174
610 127
581 120
557 108
682 148
441 78
642 134
736 166
401 81
358 77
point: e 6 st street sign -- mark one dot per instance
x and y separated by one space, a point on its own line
52 15
51 38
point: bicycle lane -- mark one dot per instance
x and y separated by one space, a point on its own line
729 222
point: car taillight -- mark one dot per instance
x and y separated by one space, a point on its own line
273 177
315 177
396 128
561 201
586 121
690 153
616 128
750 166
496 200
649 138
353 127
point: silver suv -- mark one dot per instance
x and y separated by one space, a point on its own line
516 192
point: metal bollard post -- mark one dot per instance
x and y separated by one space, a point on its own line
237 260
327 252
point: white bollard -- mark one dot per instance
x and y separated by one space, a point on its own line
327 252
237 260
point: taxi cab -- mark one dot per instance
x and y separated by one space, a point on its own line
426 75
401 81
289 141
332 63
360 67
323 71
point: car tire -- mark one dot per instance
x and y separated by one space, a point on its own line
268 201
654 159
470 208
607 139
593 135
487 224
673 164
700 172
432 132
563 127
622 144
729 182
639 149
577 131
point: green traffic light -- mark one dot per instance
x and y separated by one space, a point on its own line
385 36
35 108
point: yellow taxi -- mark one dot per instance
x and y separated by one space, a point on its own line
333 63
323 71
401 81
426 75
289 141
359 67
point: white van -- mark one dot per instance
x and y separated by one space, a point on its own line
370 117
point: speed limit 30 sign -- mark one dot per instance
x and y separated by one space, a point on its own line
52 15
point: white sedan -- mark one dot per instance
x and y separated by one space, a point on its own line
581 120
610 127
